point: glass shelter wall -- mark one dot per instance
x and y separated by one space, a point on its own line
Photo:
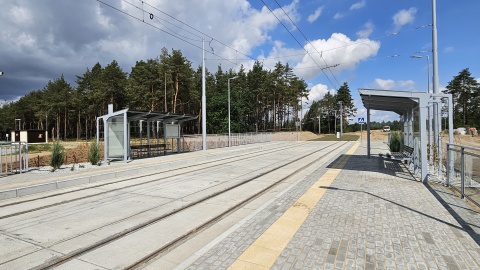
115 133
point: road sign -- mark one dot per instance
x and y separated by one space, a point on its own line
361 120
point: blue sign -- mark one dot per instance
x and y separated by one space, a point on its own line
361 120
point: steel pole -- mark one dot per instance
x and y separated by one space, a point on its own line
229 112
204 101
436 108
229 134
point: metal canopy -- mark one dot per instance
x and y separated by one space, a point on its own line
399 102
406 104
403 103
159 116
132 115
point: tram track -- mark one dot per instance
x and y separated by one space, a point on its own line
146 259
228 159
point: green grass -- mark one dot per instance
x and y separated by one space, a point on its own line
37 148
332 137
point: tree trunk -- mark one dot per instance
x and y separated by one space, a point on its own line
152 105
58 125
65 125
176 93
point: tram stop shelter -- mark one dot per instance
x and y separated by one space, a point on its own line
411 106
148 127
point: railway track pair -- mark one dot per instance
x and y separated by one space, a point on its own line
188 234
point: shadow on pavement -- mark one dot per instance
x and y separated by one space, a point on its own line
397 169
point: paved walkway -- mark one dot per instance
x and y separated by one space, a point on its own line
370 214
373 215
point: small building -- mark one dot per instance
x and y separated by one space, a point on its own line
29 136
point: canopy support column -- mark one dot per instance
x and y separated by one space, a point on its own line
368 133
423 105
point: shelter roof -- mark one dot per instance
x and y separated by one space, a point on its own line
390 100
137 115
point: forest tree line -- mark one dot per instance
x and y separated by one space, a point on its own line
261 99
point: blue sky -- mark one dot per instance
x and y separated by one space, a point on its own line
369 41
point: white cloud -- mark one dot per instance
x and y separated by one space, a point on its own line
367 30
21 15
358 5
40 41
318 91
384 84
391 84
448 49
404 17
338 49
338 15
478 80
408 84
314 16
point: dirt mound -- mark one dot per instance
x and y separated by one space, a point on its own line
75 152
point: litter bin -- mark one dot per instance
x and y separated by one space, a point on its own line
338 135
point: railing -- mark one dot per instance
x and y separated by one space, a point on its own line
463 171
13 158
191 143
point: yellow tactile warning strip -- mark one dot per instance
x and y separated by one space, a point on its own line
263 253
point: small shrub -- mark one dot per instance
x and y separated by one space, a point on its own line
396 142
94 153
81 166
58 156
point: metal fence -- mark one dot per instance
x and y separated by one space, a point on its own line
463 171
13 158
191 143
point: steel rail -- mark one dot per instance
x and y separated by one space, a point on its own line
235 159
62 259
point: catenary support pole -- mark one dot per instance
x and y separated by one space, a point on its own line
204 101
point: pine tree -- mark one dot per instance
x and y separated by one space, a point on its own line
345 97
465 92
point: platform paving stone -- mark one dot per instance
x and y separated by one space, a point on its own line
374 215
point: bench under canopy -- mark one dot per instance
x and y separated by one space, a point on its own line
117 131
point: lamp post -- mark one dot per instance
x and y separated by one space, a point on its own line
430 109
229 108
341 118
428 68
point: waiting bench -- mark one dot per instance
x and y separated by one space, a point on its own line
154 149
405 155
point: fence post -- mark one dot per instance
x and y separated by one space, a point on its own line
462 172
449 162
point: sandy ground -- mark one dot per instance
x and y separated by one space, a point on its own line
376 135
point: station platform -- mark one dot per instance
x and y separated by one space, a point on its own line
357 213
353 213
42 179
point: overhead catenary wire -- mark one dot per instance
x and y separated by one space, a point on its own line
201 32
158 28
273 13
152 16
235 61
321 55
